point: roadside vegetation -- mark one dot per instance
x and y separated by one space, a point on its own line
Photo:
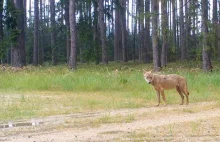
55 90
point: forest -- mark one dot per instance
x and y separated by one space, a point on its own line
51 32
72 70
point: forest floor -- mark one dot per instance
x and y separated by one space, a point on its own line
193 122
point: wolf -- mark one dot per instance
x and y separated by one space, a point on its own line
167 82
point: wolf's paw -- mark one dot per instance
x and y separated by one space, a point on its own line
157 105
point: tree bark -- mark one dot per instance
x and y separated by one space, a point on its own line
73 45
207 66
123 30
164 32
117 32
36 34
218 40
29 12
18 49
140 7
155 14
215 26
174 24
1 30
41 46
182 34
134 29
187 27
67 30
103 32
96 32
147 39
53 32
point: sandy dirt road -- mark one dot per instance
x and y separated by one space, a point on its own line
195 122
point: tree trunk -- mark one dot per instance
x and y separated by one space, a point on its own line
25 22
41 46
1 30
182 34
156 57
30 16
117 33
73 46
218 41
215 26
164 32
18 49
123 30
147 45
187 27
103 32
207 66
53 32
134 30
1 24
127 17
96 32
36 28
67 30
142 52
174 24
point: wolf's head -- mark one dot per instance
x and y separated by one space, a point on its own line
148 76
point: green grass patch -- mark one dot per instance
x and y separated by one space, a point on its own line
53 90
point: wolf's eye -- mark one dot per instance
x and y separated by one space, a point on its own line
150 77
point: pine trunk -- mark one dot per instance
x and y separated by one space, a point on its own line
174 23
164 32
116 33
182 34
215 26
67 30
73 46
36 19
142 51
18 49
96 32
41 46
102 31
207 66
218 41
156 57
123 30
147 45
1 28
53 32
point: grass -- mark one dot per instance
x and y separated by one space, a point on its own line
53 90
187 131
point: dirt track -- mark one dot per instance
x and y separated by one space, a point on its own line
196 122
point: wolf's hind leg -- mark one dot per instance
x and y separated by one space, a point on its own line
186 93
180 93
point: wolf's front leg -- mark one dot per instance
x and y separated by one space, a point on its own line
158 98
164 97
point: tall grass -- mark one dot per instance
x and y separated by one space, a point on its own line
43 91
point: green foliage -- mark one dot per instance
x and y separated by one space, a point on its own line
11 32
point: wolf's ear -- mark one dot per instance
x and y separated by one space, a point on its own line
151 71
144 71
